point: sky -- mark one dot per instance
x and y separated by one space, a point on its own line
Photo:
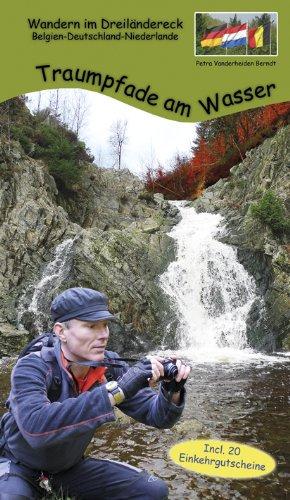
244 17
151 139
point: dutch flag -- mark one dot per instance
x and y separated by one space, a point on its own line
235 36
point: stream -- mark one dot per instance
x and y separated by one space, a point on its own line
233 392
246 402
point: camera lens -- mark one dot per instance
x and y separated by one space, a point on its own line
170 369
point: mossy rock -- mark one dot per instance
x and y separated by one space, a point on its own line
12 341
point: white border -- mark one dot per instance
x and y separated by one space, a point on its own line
234 55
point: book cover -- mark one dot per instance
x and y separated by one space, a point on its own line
144 152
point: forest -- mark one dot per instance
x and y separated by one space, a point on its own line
220 143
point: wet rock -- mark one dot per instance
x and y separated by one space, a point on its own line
12 340
122 419
150 226
188 428
158 198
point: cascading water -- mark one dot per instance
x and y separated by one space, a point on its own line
209 288
53 275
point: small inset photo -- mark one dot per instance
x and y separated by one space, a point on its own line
236 34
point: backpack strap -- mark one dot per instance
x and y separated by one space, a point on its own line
54 390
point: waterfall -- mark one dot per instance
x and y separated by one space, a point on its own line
54 274
210 290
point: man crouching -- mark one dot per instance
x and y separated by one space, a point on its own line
45 436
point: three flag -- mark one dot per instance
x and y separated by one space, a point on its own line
233 36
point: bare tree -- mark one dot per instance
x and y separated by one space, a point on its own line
148 162
68 106
118 139
65 109
39 96
54 102
79 111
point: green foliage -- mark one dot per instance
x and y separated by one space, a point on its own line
61 152
240 50
13 112
43 136
241 183
271 211
234 21
23 134
260 20
65 172
201 25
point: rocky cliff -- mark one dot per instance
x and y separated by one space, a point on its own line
261 235
107 234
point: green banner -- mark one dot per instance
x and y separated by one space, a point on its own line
186 61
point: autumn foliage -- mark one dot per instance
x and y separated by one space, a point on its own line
220 144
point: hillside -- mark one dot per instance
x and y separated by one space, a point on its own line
98 229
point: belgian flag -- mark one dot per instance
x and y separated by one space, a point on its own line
259 36
212 37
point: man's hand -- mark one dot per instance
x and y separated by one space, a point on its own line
174 387
157 369
136 378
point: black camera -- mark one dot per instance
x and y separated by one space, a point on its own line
170 369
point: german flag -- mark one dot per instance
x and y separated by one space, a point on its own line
212 37
259 36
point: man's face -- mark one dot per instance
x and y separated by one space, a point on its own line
86 340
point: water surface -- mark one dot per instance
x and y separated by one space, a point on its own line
245 401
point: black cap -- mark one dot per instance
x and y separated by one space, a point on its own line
80 303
